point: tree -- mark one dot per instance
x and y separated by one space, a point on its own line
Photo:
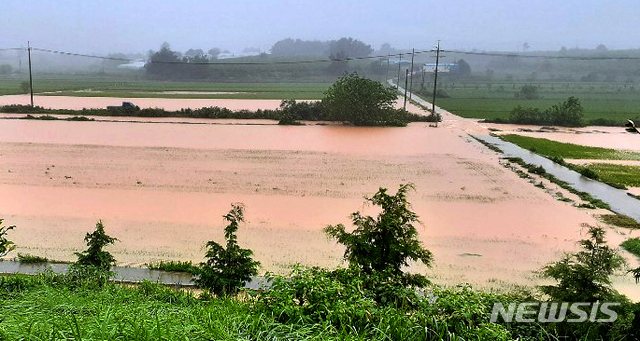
95 256
25 87
348 48
584 276
462 68
362 102
6 245
529 92
214 52
162 64
385 244
227 269
194 53
5 69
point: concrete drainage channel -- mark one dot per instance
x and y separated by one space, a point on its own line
122 274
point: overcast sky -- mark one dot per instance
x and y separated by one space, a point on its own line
89 26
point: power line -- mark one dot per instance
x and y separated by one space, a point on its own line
497 54
329 60
285 62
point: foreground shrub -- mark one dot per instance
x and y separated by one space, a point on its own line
227 269
6 245
95 256
382 246
344 300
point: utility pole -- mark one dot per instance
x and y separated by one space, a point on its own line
435 84
406 78
386 79
30 76
413 52
399 62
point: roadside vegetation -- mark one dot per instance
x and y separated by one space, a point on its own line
372 298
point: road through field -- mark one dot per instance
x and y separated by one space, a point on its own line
162 189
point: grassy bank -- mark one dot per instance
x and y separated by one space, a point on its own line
619 176
52 307
48 307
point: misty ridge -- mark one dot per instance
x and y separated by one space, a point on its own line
316 60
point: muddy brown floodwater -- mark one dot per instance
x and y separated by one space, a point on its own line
162 189
77 103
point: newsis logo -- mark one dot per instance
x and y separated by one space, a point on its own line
555 312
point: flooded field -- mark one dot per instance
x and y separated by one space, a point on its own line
162 189
77 103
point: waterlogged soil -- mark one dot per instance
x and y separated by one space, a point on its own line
77 103
162 189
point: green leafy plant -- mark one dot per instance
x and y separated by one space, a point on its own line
385 244
227 269
95 256
6 245
584 276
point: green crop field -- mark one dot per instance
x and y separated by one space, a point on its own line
105 87
496 100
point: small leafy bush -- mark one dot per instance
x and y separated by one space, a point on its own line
95 256
6 245
227 269
584 276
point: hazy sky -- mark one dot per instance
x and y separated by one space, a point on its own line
89 26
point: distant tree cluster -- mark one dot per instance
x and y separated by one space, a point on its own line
334 49
169 64
292 48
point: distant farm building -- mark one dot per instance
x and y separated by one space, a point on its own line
442 67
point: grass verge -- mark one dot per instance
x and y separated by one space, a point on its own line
174 266
31 259
632 245
620 220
